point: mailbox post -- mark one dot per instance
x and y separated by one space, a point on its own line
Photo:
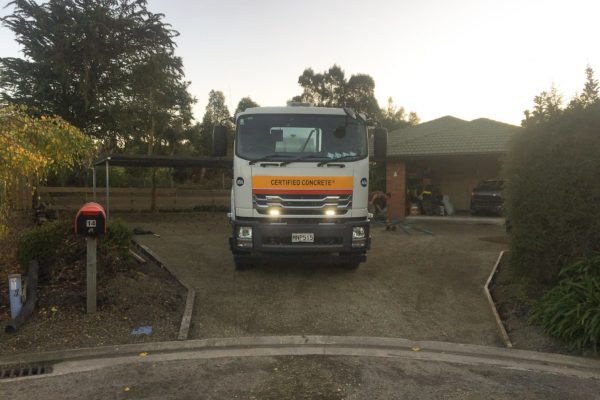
90 222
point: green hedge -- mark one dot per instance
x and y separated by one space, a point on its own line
553 195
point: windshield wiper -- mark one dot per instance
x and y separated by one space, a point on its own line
336 159
306 157
268 157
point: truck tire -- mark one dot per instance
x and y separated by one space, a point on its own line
243 262
350 262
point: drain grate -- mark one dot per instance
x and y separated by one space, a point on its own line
20 371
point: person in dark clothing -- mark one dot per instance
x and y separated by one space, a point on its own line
379 204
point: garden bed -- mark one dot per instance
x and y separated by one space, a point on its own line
515 309
134 295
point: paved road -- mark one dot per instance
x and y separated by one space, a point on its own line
413 286
302 371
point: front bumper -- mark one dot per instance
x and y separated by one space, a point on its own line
274 237
487 208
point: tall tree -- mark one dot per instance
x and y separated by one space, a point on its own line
590 94
546 106
590 89
106 66
245 102
332 89
334 86
360 94
216 112
311 85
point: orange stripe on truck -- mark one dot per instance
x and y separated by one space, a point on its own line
302 183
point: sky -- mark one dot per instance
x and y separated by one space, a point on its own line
465 58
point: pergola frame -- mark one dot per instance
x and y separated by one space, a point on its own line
151 161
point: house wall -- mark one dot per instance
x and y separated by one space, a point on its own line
456 176
396 186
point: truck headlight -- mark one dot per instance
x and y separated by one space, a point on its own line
244 232
358 232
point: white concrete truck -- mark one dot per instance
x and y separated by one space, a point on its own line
300 182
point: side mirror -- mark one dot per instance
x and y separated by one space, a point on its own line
380 138
219 141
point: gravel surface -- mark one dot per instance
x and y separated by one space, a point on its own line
415 286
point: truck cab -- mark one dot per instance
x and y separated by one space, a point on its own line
300 183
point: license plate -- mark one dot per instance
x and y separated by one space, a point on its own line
303 237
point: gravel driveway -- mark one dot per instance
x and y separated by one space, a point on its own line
413 286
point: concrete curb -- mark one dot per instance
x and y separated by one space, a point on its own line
488 295
70 361
186 319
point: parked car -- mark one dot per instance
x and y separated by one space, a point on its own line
487 198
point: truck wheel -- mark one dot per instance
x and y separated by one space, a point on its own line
242 263
351 262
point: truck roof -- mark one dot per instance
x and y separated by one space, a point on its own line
293 110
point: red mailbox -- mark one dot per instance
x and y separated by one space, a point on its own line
90 220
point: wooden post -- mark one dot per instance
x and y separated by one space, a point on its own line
91 274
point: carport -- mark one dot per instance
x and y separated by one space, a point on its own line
151 161
448 153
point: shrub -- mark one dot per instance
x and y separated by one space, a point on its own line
118 235
114 247
42 244
571 310
46 243
553 193
56 247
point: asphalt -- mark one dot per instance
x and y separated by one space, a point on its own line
303 367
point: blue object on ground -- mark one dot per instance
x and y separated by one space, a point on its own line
142 330
15 290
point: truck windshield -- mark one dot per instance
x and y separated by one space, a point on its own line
308 137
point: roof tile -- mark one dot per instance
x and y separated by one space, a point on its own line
451 136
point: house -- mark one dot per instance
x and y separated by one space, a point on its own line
448 153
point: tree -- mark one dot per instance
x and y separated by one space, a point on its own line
360 94
311 85
546 107
331 89
105 66
590 90
216 112
30 148
589 95
245 102
393 118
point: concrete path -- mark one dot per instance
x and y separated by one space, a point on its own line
413 286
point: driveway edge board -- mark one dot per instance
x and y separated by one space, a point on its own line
488 295
186 319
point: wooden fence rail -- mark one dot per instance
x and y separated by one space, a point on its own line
134 199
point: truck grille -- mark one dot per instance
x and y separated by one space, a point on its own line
306 204
287 241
